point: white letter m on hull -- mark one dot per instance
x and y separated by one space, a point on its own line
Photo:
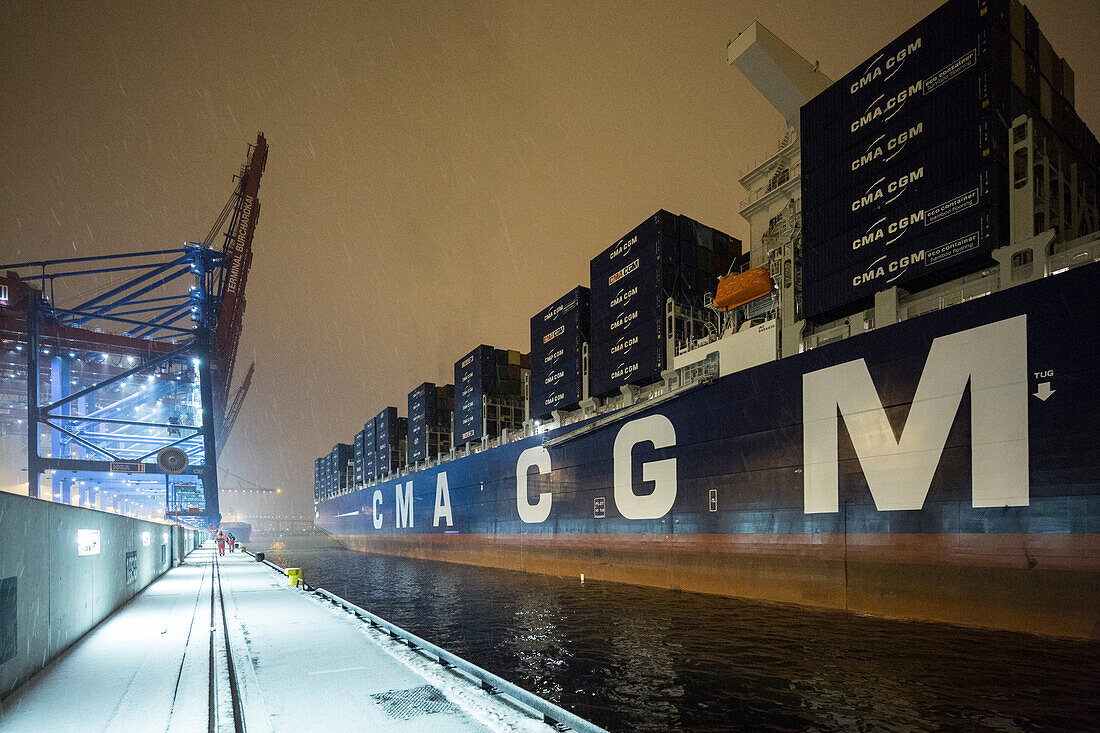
993 358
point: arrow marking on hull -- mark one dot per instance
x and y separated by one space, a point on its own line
1044 391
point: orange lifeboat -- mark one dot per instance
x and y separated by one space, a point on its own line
736 290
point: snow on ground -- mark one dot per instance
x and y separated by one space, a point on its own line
489 710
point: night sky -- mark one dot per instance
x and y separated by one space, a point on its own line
437 174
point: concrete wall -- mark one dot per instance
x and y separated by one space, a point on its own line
60 595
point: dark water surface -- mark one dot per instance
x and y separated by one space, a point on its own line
631 658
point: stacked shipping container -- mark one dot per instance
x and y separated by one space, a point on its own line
370 451
665 256
558 334
430 411
389 436
488 393
905 159
333 471
360 457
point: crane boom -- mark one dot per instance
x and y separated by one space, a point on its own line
238 255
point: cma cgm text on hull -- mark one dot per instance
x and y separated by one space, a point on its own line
932 444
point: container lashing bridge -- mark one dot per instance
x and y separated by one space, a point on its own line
128 391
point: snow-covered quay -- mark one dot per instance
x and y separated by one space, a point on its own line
225 644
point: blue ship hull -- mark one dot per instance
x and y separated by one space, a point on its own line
944 468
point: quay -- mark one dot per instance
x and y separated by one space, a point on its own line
226 644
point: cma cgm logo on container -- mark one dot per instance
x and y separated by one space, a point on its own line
885 107
623 248
625 320
625 370
553 313
889 190
616 277
885 148
553 334
624 345
883 67
553 356
623 297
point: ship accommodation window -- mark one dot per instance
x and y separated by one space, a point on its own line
1022 264
1019 164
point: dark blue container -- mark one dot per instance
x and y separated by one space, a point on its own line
959 246
892 232
974 86
834 206
920 52
360 458
370 450
558 333
386 437
469 419
423 414
634 355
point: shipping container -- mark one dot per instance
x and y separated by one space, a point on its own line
976 87
558 386
667 256
485 374
914 169
637 356
370 450
566 314
868 234
961 245
360 458
429 421
341 465
919 52
977 67
389 439
558 335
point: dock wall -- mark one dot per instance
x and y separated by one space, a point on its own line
51 594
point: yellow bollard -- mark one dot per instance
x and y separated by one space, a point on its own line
293 576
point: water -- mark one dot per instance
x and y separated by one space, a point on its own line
631 658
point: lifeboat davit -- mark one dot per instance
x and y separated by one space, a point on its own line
744 287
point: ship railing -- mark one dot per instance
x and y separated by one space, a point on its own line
1082 254
551 714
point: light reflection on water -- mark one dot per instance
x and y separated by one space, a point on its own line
632 658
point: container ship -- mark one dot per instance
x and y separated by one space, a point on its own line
884 403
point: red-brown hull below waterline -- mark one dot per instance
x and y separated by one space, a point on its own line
1045 584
